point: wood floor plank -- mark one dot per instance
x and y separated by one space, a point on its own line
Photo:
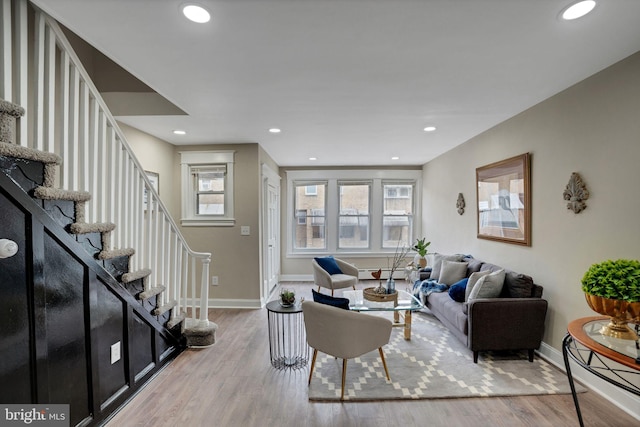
233 384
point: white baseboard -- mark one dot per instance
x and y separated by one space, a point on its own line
296 278
618 397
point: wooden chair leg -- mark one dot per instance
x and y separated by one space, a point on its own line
331 291
344 377
313 364
318 288
384 363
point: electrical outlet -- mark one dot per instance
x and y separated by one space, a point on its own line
245 230
214 280
115 352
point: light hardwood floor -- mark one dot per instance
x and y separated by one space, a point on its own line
233 384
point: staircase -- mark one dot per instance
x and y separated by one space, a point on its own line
61 148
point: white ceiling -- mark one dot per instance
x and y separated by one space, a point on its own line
351 82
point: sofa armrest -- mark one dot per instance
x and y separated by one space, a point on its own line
506 323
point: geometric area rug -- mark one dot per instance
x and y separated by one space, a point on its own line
433 365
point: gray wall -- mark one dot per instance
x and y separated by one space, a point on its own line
592 128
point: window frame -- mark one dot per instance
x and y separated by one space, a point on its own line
190 162
376 208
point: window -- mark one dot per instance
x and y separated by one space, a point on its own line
397 222
309 212
353 220
351 211
207 188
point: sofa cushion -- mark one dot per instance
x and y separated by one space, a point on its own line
328 264
456 291
437 263
473 280
452 272
488 286
443 307
329 300
473 264
490 267
517 285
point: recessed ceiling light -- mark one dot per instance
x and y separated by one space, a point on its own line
429 128
179 132
275 130
196 13
395 158
312 158
578 10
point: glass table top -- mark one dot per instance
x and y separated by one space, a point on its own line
406 301
626 347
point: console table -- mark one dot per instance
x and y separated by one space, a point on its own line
287 339
611 359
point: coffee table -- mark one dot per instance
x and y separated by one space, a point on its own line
405 305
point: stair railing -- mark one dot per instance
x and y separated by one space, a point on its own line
66 114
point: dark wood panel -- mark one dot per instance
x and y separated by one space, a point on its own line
67 351
15 354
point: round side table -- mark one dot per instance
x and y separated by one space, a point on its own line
287 339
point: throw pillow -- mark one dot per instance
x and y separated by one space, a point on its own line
437 264
329 264
473 280
488 286
456 291
329 300
452 272
517 285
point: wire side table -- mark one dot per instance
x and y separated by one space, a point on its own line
596 353
287 338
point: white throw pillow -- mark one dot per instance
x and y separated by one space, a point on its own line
452 272
438 259
473 281
488 286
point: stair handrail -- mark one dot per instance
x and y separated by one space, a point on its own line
44 28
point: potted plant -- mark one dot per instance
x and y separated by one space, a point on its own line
420 247
287 297
612 288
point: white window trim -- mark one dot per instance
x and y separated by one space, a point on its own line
332 177
189 216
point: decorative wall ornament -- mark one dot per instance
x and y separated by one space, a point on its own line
460 204
576 193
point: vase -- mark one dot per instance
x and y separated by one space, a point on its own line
420 261
620 312
391 286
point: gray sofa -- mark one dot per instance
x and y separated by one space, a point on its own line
513 321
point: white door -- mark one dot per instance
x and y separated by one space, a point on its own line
271 216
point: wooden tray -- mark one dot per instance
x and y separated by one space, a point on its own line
370 295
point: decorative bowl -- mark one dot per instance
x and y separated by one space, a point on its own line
621 312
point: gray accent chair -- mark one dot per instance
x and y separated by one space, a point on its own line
344 334
348 278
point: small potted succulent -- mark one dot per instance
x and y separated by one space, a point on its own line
287 297
612 288
420 247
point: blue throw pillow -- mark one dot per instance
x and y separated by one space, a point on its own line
329 300
457 290
329 264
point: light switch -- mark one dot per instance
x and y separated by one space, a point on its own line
245 230
115 352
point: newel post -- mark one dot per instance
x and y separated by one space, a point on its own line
204 293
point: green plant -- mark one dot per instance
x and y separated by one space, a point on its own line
618 280
287 296
421 246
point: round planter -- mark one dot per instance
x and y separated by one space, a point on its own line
621 313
